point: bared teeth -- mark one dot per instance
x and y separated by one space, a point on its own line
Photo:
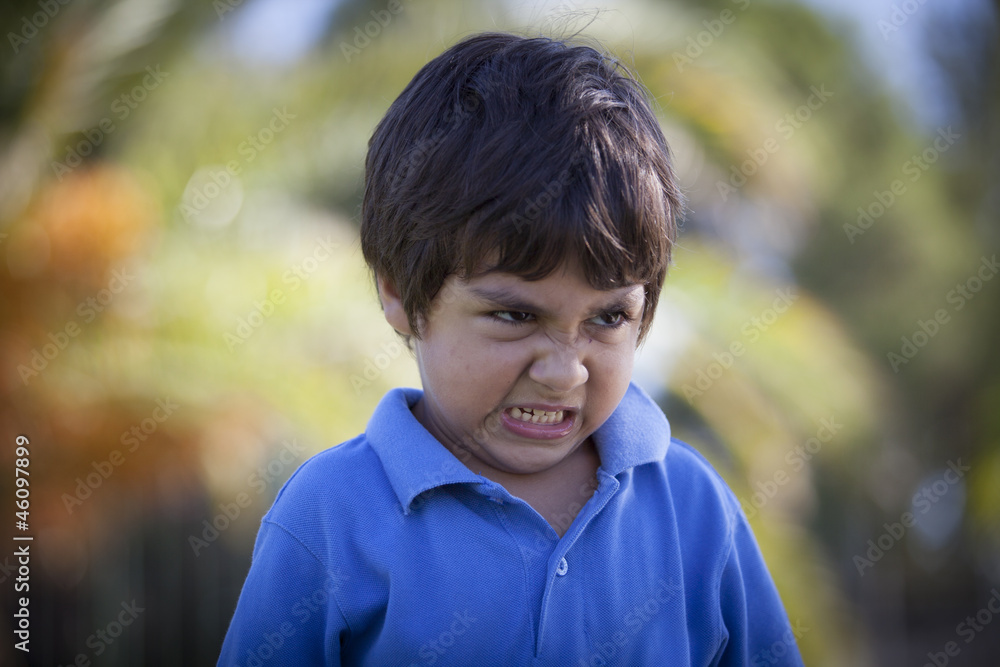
537 416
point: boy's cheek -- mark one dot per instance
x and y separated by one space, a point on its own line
625 337
482 331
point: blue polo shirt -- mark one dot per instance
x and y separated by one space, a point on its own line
388 551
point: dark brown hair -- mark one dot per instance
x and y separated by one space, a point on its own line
512 154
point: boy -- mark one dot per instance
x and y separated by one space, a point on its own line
528 506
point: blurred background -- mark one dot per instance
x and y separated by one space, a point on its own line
185 315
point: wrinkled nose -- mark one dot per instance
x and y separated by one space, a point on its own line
559 367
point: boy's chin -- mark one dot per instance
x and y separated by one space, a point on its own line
531 458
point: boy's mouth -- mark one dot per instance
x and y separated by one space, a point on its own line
535 416
538 423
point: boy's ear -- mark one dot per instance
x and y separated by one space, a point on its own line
392 305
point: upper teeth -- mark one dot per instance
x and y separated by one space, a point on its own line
537 416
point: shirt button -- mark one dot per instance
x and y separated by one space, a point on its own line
562 568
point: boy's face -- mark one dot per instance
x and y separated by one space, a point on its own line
497 344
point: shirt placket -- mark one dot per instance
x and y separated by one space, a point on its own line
560 566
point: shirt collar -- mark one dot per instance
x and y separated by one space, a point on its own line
637 432
413 459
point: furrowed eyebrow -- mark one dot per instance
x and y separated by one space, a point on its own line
631 299
508 300
504 298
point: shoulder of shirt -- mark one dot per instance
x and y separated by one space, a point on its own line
692 477
707 514
329 480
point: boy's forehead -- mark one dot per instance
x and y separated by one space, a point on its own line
567 283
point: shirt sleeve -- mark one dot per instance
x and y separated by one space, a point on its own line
759 632
287 613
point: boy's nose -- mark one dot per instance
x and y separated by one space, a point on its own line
560 368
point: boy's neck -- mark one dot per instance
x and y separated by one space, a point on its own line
557 493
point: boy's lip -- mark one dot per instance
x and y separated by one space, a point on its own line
540 431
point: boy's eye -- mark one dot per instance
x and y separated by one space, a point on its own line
612 319
512 316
